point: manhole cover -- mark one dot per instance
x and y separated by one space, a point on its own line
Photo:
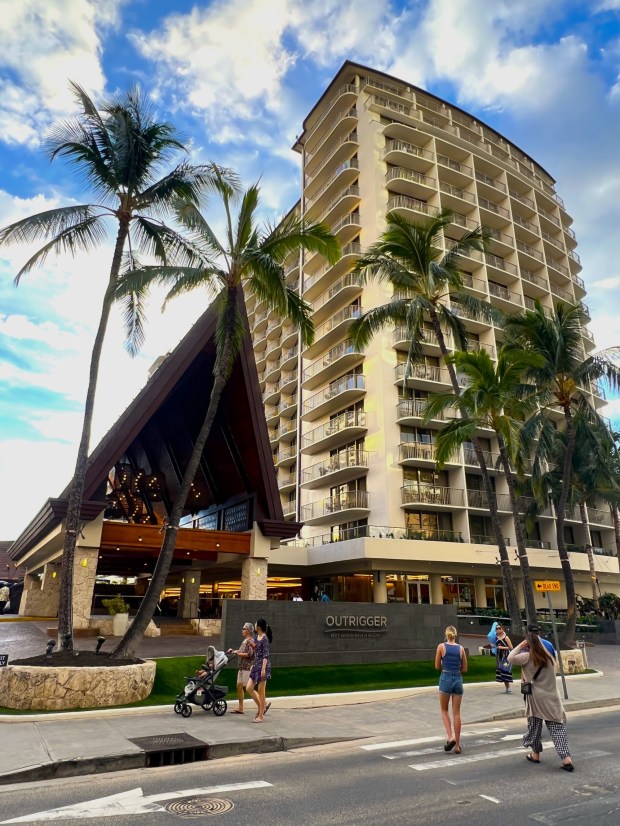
199 806
167 742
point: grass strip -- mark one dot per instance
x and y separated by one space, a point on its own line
312 679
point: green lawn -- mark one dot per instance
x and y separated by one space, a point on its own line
328 679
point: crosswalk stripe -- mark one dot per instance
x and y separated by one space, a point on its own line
460 759
419 741
420 752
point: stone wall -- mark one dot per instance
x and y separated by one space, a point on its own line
36 687
323 633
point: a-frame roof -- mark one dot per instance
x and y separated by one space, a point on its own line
160 425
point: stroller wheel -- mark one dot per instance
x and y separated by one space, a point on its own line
207 706
186 711
219 707
178 708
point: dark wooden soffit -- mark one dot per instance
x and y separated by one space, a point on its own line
279 528
149 537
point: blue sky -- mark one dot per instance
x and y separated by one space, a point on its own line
237 78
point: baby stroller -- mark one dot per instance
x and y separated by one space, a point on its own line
201 690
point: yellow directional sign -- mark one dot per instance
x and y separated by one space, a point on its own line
547 585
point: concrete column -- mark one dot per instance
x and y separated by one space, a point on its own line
480 592
84 573
190 594
406 582
40 596
436 589
379 588
254 578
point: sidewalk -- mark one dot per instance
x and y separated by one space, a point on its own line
37 747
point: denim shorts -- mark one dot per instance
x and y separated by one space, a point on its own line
451 682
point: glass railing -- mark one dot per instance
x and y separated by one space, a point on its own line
344 459
420 495
351 381
345 348
349 419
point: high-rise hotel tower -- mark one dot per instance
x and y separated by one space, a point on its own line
355 463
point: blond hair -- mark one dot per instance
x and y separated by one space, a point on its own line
450 632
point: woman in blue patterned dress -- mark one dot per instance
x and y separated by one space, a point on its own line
261 670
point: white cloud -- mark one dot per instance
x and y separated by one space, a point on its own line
44 45
607 283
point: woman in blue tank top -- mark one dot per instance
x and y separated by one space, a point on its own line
451 660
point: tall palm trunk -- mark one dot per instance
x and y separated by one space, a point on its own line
509 588
530 607
585 521
76 490
568 637
128 645
615 515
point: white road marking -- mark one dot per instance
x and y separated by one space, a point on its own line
421 752
507 737
492 799
459 759
132 802
395 744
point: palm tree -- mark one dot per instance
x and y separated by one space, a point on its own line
248 261
496 397
428 282
120 149
563 378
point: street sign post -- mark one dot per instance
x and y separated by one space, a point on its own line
547 586
4 660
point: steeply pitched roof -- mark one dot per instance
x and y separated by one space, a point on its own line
161 424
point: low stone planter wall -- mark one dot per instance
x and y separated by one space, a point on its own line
207 627
37 687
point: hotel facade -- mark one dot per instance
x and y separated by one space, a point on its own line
354 460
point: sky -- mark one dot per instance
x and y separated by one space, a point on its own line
237 77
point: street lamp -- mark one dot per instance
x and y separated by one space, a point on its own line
100 641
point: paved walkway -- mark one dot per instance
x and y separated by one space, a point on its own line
45 746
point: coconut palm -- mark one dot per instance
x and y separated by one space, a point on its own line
496 397
121 150
428 283
248 261
563 379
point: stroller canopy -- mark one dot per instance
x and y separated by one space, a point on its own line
218 658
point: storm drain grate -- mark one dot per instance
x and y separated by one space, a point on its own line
171 749
200 806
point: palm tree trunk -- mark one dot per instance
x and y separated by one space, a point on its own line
585 521
76 490
530 607
516 621
616 517
128 645
568 637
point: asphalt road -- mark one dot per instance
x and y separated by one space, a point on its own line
375 781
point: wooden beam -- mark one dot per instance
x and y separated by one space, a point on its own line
129 536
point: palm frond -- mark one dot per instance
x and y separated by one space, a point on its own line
451 437
133 310
294 233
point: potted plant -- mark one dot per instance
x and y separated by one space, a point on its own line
119 611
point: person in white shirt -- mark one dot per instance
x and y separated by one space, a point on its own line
4 596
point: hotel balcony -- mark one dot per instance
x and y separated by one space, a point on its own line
455 197
341 393
502 296
422 376
408 182
285 457
341 204
596 516
401 341
342 124
336 432
501 242
343 99
454 172
421 454
343 176
288 360
410 208
487 185
460 224
557 267
346 507
332 331
401 153
527 229
490 459
327 275
341 153
533 284
288 382
563 295
289 508
581 549
432 497
478 499
492 214
344 290
476 285
287 406
385 106
411 411
271 393
343 467
486 539
286 481
334 363
498 267
521 204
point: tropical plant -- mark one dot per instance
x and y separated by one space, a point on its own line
120 149
496 397
248 261
428 283
563 378
115 605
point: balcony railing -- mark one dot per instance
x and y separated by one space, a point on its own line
352 458
397 172
346 314
350 138
338 424
528 275
414 204
487 179
352 163
527 248
344 113
555 265
416 450
581 549
351 381
490 206
342 90
504 293
420 495
350 500
345 348
502 237
378 532
522 198
485 539
414 409
409 148
500 264
444 160
470 458
422 371
457 192
523 222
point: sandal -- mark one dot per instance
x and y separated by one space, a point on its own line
267 707
236 711
449 745
458 750
568 767
531 759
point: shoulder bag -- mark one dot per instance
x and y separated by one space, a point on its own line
526 688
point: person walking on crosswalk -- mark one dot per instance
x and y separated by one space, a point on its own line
451 660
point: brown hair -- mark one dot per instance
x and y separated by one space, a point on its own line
539 655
